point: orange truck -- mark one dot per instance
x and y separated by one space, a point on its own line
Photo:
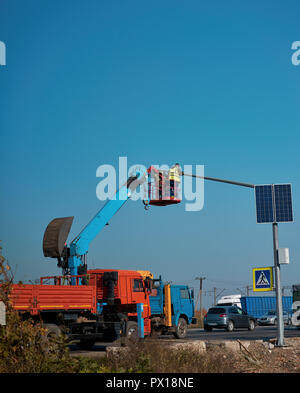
104 305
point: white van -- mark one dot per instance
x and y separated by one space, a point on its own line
230 300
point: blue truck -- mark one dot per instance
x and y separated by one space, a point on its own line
257 306
172 308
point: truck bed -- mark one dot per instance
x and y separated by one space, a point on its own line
38 298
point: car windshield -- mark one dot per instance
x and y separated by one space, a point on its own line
216 310
271 313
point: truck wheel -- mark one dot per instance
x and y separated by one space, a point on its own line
181 328
52 330
251 325
86 343
230 326
132 330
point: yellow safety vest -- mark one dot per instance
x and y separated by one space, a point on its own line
174 174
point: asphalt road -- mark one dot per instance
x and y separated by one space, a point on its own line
260 333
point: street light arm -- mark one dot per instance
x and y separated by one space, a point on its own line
236 183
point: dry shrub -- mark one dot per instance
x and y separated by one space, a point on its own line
152 357
24 347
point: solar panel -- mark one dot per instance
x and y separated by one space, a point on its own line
274 203
264 204
283 202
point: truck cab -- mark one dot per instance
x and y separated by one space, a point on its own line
182 304
172 308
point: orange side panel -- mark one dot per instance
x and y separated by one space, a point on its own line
36 298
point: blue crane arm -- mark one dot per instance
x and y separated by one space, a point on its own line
80 245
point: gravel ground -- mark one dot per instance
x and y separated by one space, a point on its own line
264 357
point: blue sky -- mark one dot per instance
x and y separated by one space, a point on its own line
158 82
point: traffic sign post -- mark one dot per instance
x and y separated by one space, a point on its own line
273 205
280 325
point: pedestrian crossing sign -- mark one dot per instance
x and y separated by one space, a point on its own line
262 279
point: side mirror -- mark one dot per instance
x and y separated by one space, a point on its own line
192 293
149 284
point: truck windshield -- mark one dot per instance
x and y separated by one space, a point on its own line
138 285
184 293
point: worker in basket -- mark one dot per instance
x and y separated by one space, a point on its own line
174 177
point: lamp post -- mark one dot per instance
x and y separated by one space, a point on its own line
200 293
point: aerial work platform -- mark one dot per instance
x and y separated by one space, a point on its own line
160 189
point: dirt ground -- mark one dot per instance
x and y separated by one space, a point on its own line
227 356
263 357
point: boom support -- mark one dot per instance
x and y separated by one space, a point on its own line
73 259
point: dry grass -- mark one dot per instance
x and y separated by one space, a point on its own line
152 357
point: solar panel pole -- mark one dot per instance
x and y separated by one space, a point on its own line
236 183
280 325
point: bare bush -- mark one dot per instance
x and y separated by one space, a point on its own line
147 356
23 343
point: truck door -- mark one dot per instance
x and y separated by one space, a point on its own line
186 303
138 293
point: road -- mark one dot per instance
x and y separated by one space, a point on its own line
260 333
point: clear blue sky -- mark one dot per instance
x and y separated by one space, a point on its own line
193 82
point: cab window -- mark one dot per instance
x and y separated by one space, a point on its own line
184 293
138 285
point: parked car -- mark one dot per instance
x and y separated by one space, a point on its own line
228 317
270 318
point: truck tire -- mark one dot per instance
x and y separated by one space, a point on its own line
230 326
132 331
52 330
86 343
181 328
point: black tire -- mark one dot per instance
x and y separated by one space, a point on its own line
181 329
132 331
207 328
230 326
52 333
86 343
251 325
52 330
